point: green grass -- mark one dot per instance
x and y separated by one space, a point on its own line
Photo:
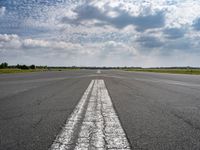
9 70
174 71
5 71
66 69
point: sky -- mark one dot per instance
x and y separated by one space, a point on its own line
143 33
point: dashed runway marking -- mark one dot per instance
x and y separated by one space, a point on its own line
93 124
98 71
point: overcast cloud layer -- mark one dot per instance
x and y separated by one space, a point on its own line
143 33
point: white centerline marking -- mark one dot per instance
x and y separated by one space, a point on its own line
99 126
64 139
98 71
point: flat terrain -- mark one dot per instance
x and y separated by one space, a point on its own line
173 71
13 70
7 71
156 111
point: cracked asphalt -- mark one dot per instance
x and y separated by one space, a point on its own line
156 111
93 123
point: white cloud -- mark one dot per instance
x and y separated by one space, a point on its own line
2 11
15 42
53 45
112 32
182 13
30 43
10 41
118 49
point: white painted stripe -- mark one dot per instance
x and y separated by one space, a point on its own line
100 128
98 71
64 139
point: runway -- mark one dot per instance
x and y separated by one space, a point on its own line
99 109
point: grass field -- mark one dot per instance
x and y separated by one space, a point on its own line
2 71
6 71
174 71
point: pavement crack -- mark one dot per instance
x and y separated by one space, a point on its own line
104 125
12 117
35 125
187 121
39 101
98 126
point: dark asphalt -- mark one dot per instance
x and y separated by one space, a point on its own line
157 111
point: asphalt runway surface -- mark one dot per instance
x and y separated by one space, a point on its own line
147 111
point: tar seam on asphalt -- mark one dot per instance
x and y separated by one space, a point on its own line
93 124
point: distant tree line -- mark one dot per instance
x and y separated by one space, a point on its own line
18 66
5 65
25 66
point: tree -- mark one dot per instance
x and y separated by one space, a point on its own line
24 67
32 67
4 65
18 66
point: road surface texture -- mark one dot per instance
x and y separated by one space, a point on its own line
99 109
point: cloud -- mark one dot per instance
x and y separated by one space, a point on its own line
105 32
182 44
149 42
31 43
174 33
196 24
120 20
9 41
13 41
141 22
2 11
56 45
181 13
117 49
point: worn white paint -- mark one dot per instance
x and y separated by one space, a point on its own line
98 71
100 127
64 139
